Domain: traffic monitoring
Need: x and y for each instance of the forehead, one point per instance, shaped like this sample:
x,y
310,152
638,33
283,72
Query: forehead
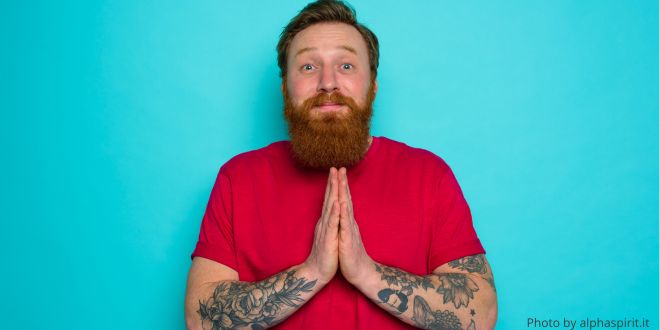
x,y
328,36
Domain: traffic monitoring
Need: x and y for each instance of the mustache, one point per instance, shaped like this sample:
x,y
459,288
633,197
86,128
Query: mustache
x,y
325,98
326,140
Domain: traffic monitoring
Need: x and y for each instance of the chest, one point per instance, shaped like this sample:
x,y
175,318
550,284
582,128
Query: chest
x,y
274,223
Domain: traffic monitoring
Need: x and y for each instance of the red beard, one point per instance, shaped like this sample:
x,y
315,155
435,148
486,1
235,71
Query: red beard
x,y
329,139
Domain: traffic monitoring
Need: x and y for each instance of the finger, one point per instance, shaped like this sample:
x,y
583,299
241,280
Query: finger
x,y
348,226
319,226
327,203
334,189
327,187
344,220
333,222
330,232
347,190
343,185
324,223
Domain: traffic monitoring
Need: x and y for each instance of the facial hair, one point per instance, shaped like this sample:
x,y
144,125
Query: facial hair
x,y
324,140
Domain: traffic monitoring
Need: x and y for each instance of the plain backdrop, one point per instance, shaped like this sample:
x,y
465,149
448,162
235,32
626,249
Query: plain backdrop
x,y
116,116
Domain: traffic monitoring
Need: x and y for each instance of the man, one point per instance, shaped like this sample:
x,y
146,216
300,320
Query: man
x,y
394,245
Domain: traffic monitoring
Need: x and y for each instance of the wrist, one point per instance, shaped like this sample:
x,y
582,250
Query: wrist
x,y
371,281
366,277
313,273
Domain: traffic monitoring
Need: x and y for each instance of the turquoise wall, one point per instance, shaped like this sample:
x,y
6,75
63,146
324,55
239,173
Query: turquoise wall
x,y
116,116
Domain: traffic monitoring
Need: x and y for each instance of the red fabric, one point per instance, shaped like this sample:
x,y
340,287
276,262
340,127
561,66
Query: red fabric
x,y
263,208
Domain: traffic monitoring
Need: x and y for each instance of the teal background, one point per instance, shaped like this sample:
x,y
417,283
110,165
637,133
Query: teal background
x,y
116,116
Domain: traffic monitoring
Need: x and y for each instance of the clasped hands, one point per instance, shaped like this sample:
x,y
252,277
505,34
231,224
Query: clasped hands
x,y
337,241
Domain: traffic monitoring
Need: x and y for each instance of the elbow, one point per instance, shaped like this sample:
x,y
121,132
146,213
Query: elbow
x,y
192,323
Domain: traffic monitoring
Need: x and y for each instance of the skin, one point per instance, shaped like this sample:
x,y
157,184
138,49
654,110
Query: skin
x,y
324,58
327,58
323,259
206,276
354,261
454,291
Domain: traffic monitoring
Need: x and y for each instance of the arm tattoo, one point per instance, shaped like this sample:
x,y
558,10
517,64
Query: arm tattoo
x,y
457,288
475,264
404,284
239,304
425,318
406,281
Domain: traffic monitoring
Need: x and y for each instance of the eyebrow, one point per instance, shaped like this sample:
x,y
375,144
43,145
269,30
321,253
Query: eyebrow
x,y
306,49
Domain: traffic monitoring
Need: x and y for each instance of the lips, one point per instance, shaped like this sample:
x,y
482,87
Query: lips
x,y
329,106
329,103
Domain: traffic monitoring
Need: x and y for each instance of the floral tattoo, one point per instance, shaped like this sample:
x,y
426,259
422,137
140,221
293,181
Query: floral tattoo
x,y
426,318
407,282
475,264
235,305
403,284
457,288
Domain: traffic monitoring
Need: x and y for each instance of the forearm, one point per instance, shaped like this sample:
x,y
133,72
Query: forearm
x,y
453,300
249,305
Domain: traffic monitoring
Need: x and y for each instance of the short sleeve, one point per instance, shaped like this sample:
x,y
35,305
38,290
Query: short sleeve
x,y
453,235
216,238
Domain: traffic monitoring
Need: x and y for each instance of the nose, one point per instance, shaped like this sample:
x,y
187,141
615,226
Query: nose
x,y
327,81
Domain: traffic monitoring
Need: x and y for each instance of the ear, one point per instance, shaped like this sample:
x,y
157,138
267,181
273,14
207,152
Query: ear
x,y
375,86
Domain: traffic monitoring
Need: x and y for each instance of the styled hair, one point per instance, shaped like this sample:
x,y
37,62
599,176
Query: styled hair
x,y
322,11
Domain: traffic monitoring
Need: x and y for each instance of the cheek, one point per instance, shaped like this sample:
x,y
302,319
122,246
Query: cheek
x,y
358,88
299,91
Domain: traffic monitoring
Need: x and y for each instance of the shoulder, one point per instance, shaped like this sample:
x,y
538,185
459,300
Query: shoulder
x,y
257,160
412,156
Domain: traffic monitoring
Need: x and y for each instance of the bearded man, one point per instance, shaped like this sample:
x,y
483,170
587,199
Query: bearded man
x,y
393,247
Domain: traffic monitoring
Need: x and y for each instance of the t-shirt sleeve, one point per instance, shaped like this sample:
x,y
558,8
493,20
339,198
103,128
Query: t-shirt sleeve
x,y
453,235
216,238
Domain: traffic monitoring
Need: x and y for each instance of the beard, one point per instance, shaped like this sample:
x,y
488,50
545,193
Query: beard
x,y
334,139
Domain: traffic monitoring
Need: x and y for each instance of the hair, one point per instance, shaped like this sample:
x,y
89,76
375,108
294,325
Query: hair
x,y
322,11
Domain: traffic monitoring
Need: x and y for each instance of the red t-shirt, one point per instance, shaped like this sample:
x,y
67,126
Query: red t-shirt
x,y
263,208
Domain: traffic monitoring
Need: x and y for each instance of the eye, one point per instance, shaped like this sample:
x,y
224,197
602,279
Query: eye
x,y
347,66
307,67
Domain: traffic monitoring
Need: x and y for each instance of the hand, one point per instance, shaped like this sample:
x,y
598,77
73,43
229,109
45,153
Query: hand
x,y
354,262
323,258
